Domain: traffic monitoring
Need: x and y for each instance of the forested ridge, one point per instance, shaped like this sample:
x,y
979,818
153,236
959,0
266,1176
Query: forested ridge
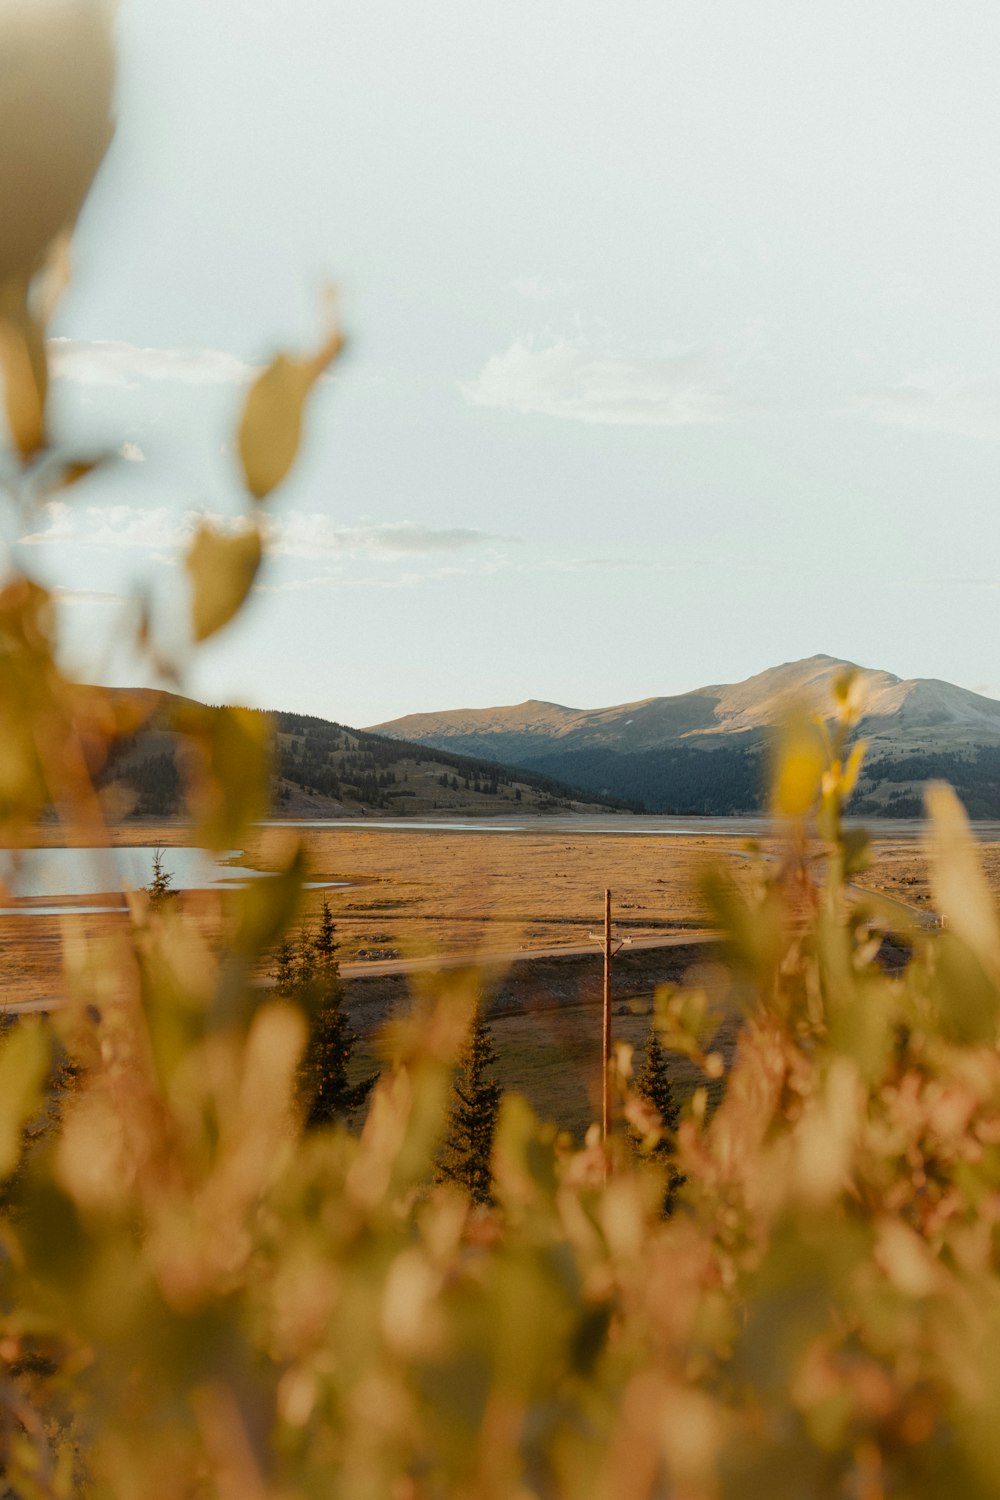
x,y
320,759
733,779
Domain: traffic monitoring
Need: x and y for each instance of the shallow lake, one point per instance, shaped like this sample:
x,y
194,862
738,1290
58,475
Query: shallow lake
x,y
555,824
44,874
664,826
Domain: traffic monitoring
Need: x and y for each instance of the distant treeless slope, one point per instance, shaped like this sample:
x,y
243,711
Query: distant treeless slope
x,y
893,706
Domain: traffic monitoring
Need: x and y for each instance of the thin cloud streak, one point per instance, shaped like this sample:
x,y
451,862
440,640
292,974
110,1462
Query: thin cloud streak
x,y
299,534
567,378
73,597
592,565
489,567
110,362
305,535
939,401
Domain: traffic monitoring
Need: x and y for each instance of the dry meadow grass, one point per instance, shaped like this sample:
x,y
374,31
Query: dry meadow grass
x,y
429,892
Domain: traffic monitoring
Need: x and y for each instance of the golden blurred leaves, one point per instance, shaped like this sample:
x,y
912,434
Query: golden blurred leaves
x,y
55,121
24,369
222,567
227,770
801,761
271,427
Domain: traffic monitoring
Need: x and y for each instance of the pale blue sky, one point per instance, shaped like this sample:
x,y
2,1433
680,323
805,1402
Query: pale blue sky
x,y
675,342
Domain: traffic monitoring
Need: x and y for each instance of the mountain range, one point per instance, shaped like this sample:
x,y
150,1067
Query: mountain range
x,y
705,751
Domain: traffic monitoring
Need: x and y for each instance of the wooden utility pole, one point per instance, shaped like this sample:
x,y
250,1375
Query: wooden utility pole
x,y
606,1043
610,945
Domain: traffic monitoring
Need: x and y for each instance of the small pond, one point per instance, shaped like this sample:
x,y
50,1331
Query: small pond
x,y
43,875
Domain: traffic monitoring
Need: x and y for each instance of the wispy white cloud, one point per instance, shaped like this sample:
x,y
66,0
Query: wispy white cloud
x,y
940,401
304,535
592,565
412,578
73,597
570,378
110,362
299,534
108,527
493,563
131,453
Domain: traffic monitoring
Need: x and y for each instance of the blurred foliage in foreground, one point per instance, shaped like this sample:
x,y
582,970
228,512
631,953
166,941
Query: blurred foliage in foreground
x,y
201,1299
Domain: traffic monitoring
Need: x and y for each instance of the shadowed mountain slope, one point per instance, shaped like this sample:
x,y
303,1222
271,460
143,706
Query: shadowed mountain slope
x,y
702,751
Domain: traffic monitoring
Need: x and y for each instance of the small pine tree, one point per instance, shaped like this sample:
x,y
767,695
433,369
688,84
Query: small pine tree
x,y
325,944
327,1091
466,1157
284,975
306,970
305,960
159,888
653,1084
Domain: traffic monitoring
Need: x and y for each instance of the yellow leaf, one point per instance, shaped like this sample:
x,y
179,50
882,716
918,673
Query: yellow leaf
x,y
852,769
61,474
222,570
271,427
958,885
24,1064
24,369
229,774
35,730
800,766
55,122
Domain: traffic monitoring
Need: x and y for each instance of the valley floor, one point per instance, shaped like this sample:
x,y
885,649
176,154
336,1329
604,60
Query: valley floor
x,y
423,893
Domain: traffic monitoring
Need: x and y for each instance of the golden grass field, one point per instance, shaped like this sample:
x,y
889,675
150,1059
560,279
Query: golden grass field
x,y
428,893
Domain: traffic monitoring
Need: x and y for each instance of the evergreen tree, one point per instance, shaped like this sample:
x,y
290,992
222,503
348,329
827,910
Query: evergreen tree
x,y
325,945
328,1094
159,888
466,1157
305,961
653,1084
284,975
307,971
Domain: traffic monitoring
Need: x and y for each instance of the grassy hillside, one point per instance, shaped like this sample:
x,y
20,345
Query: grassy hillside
x,y
325,769
350,768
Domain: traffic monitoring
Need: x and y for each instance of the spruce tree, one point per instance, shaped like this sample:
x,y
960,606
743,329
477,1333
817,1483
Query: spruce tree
x,y
324,944
305,961
159,888
466,1157
306,970
285,976
653,1084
